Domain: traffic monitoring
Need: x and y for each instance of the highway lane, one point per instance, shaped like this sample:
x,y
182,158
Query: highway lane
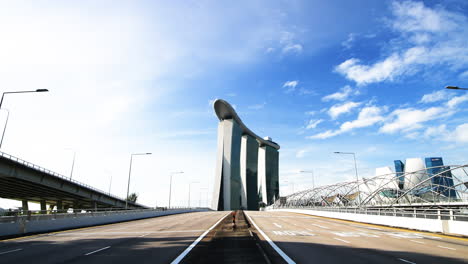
x,y
308,239
154,240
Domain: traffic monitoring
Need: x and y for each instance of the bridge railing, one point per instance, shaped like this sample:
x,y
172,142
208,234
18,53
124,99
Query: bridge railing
x,y
455,214
42,169
77,213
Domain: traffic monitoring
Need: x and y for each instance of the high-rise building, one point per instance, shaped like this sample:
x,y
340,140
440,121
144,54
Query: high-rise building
x,y
247,165
441,177
400,172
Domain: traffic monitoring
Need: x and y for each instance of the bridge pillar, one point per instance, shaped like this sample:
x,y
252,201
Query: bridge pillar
x,y
43,206
59,205
25,205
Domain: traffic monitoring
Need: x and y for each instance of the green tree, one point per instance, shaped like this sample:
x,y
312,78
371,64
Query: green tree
x,y
132,197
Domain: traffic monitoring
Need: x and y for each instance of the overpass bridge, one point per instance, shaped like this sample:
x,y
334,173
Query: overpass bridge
x,y
24,181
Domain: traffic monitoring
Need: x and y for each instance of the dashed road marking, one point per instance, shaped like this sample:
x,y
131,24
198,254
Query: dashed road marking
x,y
277,225
419,242
11,251
324,227
354,234
292,233
95,251
407,261
446,247
342,240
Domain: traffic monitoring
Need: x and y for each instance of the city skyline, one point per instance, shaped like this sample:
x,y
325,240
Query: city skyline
x,y
318,77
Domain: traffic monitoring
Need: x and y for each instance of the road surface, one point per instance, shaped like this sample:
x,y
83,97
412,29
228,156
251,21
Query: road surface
x,y
310,239
154,240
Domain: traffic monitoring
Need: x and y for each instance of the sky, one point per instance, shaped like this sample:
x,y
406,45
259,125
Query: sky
x,y
316,76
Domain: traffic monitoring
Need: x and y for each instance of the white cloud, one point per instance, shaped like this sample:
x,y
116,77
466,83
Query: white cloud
x,y
435,97
426,37
340,95
348,43
289,43
457,135
461,133
296,48
290,86
408,119
457,100
313,123
368,116
338,110
310,112
301,153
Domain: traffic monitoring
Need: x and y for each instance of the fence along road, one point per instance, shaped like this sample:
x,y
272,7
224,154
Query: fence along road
x,y
154,240
306,239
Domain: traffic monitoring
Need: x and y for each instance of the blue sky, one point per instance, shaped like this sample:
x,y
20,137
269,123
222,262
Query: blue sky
x,y
316,76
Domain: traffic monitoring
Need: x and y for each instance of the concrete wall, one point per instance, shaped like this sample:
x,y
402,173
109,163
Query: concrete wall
x,y
432,225
47,223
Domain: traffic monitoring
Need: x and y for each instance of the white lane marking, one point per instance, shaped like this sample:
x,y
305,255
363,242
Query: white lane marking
x,y
272,244
144,235
341,240
446,247
187,250
95,251
292,233
407,261
324,227
419,242
277,225
14,250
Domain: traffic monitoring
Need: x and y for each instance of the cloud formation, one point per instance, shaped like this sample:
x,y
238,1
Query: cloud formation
x,y
426,37
340,109
341,95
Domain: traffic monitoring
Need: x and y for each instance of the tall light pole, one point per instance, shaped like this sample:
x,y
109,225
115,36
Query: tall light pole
x,y
455,88
313,180
190,186
355,167
129,173
73,162
15,92
4,128
170,186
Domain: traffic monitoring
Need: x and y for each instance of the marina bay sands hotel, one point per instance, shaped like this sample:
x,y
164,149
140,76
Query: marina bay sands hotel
x,y
246,166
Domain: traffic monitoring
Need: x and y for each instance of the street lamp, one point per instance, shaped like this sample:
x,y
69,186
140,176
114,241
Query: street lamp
x,y
1,102
170,186
355,167
190,186
455,88
73,162
313,180
4,128
129,173
16,92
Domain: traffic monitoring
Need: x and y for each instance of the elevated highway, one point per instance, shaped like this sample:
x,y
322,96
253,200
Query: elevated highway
x,y
24,181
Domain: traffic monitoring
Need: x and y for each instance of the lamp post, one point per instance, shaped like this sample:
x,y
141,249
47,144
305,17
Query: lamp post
x,y
313,180
129,173
4,128
15,92
190,186
73,162
455,88
355,167
170,186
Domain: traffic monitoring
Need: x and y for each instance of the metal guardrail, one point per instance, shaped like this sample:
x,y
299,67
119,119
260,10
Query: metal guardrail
x,y
42,169
440,214
30,216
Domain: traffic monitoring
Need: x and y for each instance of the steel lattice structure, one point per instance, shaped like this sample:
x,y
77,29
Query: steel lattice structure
x,y
448,187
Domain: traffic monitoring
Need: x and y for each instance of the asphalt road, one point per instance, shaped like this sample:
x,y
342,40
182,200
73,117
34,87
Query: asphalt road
x,y
309,239
154,240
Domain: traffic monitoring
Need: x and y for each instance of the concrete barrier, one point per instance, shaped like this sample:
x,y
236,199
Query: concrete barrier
x,y
449,227
21,225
